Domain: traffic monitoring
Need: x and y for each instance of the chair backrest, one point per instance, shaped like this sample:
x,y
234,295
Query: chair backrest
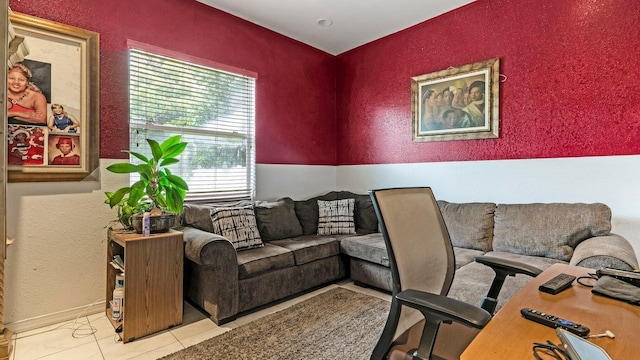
x,y
420,251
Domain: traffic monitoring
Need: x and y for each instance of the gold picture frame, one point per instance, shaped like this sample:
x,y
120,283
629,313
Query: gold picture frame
x,y
459,103
64,63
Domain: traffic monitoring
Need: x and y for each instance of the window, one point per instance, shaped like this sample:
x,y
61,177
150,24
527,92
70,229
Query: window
x,y
213,111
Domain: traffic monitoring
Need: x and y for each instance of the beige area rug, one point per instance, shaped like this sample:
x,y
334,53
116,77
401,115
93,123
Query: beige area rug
x,y
334,325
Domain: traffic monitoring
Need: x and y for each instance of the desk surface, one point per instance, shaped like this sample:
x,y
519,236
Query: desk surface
x,y
510,336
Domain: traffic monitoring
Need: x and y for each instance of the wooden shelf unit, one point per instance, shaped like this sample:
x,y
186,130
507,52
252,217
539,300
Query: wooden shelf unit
x,y
153,281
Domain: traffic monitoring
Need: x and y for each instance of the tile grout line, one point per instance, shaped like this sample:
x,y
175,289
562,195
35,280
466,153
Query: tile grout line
x,y
95,338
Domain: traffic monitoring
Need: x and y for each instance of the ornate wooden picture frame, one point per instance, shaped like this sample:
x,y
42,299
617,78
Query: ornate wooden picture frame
x,y
459,103
61,67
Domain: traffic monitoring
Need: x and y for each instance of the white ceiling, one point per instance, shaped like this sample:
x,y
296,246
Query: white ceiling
x,y
355,22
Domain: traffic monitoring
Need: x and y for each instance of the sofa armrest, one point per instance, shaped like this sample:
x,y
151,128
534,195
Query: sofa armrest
x,y
205,248
612,251
211,274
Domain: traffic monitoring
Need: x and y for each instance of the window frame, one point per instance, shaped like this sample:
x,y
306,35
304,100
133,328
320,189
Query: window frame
x,y
248,137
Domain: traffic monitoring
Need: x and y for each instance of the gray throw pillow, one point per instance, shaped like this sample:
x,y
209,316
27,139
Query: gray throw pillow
x,y
307,214
277,219
198,216
238,225
470,225
365,216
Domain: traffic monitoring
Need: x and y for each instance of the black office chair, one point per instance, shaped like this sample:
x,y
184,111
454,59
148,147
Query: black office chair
x,y
422,265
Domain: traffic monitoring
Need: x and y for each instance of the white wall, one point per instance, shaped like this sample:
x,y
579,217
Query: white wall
x,y
56,267
298,182
612,180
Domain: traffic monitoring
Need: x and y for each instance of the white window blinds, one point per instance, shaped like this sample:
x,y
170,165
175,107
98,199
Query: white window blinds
x,y
213,111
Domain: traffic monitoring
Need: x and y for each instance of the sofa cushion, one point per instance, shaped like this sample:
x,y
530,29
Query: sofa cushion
x,y
465,256
238,225
260,260
368,247
336,217
309,248
470,225
472,282
277,219
551,230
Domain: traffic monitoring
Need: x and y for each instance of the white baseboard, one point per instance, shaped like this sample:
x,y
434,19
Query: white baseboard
x,y
56,318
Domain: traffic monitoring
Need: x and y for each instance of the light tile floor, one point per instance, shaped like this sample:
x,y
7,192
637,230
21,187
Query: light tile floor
x,y
93,338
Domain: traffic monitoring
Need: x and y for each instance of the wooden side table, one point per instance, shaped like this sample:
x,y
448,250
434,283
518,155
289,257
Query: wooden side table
x,y
153,268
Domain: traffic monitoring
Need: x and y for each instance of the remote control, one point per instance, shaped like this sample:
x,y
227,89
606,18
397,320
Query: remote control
x,y
557,284
554,321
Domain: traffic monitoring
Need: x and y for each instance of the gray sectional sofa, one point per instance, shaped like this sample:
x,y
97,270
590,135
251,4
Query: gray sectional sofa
x,y
225,282
293,258
536,234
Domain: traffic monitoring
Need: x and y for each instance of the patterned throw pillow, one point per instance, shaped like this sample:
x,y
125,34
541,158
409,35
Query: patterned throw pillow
x,y
238,225
336,217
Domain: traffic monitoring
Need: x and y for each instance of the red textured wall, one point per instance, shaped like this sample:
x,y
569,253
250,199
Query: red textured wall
x,y
295,109
572,88
572,66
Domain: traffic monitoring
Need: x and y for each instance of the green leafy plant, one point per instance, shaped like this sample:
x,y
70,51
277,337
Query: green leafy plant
x,y
157,188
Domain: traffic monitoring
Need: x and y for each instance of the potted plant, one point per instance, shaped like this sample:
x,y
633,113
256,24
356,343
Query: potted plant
x,y
158,191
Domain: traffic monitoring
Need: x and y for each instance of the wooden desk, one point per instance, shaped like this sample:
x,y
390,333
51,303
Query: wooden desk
x,y
510,336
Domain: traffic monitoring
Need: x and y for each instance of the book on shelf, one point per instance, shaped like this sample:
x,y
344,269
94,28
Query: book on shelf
x,y
118,260
117,266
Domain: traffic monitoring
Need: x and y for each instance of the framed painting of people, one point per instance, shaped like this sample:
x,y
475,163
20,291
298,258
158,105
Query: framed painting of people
x,y
52,107
459,103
